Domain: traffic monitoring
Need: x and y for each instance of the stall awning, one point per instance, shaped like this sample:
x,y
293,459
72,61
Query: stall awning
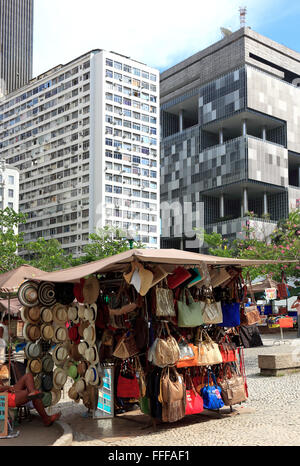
x,y
120,262
14,306
10,281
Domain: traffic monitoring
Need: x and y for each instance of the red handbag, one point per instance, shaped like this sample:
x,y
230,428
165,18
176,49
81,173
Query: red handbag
x,y
228,350
128,385
194,402
179,276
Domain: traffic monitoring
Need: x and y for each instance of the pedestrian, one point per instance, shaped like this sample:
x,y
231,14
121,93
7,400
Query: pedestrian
x,y
24,391
296,305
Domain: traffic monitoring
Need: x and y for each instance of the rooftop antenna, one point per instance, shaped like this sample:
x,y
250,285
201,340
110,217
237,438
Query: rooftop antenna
x,y
243,12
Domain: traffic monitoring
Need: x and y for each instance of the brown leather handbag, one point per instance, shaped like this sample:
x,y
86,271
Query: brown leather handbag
x,y
233,387
250,314
167,351
126,347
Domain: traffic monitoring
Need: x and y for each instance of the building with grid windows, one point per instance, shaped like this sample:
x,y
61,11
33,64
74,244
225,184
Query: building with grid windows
x,y
9,187
230,145
85,138
16,44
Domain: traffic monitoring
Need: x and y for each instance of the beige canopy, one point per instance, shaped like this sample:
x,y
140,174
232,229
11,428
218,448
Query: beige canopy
x,y
119,263
10,281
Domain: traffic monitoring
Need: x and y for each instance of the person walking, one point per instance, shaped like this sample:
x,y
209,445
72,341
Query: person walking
x,y
296,305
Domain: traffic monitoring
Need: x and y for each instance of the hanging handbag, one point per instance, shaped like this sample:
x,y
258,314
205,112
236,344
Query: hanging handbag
x,y
179,275
211,394
228,350
231,315
232,386
166,351
142,328
219,276
126,347
189,313
188,354
212,311
250,314
208,351
127,385
164,302
172,395
194,402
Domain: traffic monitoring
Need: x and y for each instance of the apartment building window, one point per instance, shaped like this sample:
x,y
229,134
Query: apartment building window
x,y
11,179
127,68
10,193
118,65
109,62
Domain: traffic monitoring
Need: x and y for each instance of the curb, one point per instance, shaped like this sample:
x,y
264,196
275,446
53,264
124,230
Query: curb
x,y
66,439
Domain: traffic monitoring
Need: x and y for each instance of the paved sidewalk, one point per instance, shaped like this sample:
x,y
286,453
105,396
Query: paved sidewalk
x,y
271,416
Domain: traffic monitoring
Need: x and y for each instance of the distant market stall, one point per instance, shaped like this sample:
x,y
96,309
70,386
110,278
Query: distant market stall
x,y
160,328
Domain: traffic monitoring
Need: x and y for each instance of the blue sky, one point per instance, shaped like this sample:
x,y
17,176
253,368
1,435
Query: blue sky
x,y
159,33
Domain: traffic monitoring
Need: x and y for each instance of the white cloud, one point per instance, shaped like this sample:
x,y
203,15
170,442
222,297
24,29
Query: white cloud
x,y
157,32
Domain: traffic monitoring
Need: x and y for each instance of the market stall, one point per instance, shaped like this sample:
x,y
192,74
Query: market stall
x,y
164,322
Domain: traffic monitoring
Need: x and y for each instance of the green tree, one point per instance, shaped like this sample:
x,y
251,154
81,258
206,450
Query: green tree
x,y
48,255
106,242
10,240
282,245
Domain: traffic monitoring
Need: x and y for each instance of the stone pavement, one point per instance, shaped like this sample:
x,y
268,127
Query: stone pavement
x,y
270,417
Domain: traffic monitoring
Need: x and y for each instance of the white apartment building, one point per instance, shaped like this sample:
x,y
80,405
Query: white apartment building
x,y
85,138
9,187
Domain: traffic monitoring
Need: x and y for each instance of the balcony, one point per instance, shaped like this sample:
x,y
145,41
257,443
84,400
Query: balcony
x,y
263,227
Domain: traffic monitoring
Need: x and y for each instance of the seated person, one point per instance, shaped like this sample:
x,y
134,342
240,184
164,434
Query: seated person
x,y
24,391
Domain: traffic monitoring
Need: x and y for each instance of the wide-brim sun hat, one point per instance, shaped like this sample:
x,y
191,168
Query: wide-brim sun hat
x,y
46,315
59,377
60,313
91,289
46,293
28,293
60,354
47,331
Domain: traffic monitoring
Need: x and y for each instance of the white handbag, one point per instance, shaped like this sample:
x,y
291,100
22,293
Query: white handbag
x,y
212,312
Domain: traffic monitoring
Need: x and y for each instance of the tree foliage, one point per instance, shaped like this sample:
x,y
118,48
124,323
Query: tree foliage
x,y
10,240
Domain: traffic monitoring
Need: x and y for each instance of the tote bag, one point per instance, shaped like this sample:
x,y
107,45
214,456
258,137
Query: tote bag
x,y
189,311
231,315
211,394
208,351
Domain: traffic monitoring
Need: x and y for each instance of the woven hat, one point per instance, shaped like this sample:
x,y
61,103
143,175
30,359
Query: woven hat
x,y
82,347
91,376
90,312
64,293
24,313
73,314
80,385
35,366
81,310
82,367
47,399
55,396
46,315
46,293
60,334
158,275
47,382
34,314
78,291
60,313
31,332
37,379
33,350
73,394
72,371
59,377
82,325
48,363
91,289
74,352
60,354
47,331
28,293
89,334
91,354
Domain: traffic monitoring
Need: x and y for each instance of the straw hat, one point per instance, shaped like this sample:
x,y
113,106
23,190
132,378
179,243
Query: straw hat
x,y
91,289
35,366
59,377
46,293
146,277
91,355
33,350
82,325
31,332
82,347
34,314
72,371
73,394
28,293
48,363
90,312
60,313
47,399
55,396
73,314
60,354
82,367
74,352
80,385
47,331
91,376
46,315
37,379
47,382
81,310
89,334
24,313
60,334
